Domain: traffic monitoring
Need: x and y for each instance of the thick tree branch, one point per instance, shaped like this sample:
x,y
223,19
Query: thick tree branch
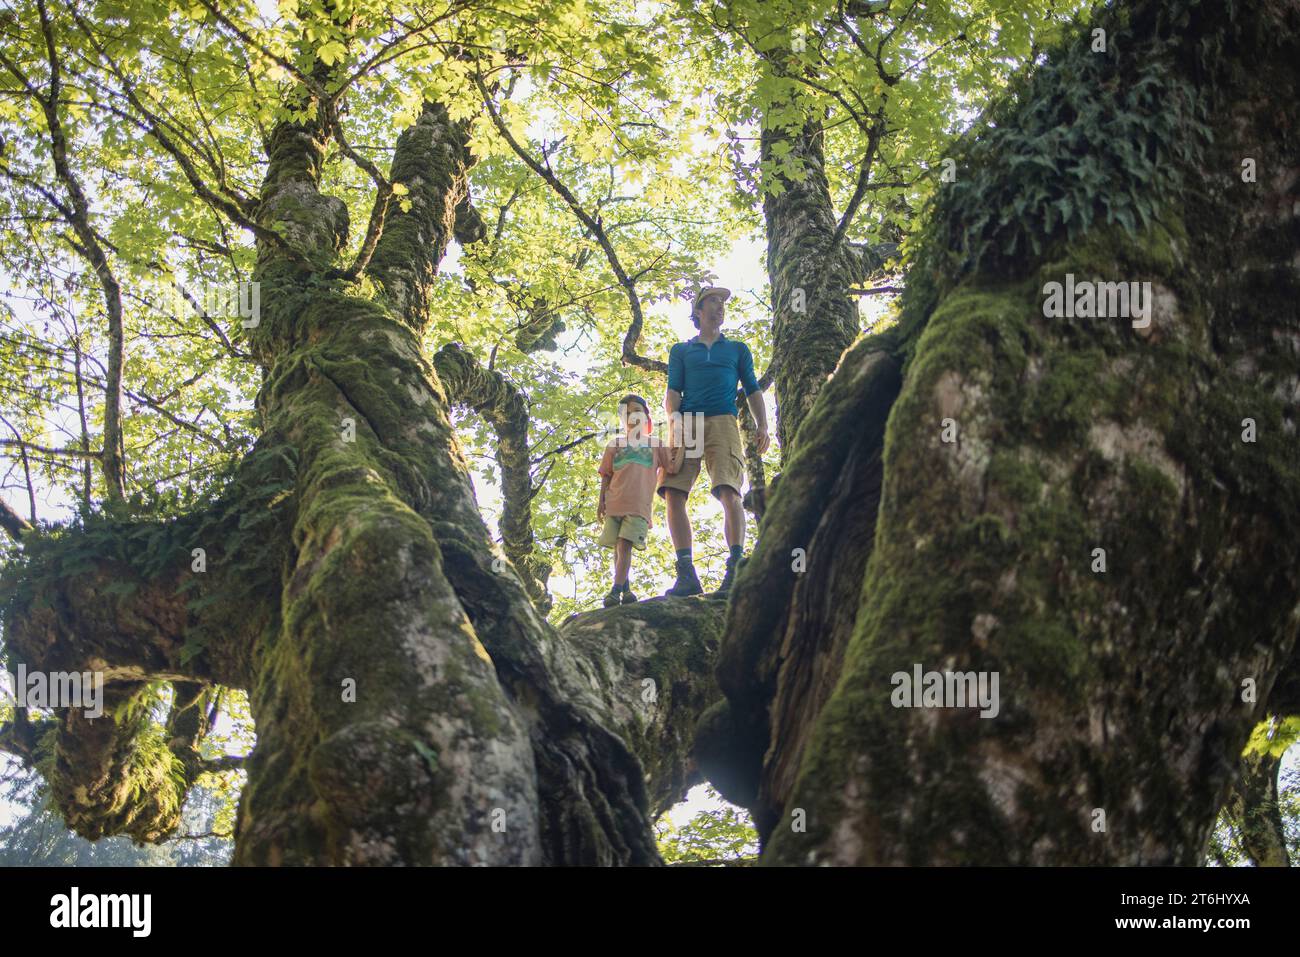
x,y
795,583
431,161
1253,810
180,600
493,396
12,522
647,671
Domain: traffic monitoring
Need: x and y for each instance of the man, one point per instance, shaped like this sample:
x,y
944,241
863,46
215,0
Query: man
x,y
702,377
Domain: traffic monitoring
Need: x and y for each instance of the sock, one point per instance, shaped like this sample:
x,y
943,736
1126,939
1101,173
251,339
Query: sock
x,y
626,586
684,553
736,552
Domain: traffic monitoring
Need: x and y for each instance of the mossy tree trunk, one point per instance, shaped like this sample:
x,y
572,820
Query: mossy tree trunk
x,y
813,318
812,269
1004,448
411,705
490,394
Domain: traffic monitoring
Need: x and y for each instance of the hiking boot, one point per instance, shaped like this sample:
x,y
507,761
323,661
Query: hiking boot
x,y
729,578
688,583
628,597
613,598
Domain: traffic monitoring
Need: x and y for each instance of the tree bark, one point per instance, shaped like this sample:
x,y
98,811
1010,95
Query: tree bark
x,y
647,671
814,319
490,394
1126,695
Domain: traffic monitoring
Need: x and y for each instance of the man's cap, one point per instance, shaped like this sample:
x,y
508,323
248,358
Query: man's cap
x,y
706,292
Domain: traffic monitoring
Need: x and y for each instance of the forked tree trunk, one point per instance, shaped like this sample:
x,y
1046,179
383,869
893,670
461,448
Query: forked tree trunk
x,y
411,705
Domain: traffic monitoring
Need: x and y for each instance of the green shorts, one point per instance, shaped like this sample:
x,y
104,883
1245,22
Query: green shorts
x,y
634,528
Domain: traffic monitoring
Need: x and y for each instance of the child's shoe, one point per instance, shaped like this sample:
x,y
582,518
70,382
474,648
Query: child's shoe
x,y
628,597
612,599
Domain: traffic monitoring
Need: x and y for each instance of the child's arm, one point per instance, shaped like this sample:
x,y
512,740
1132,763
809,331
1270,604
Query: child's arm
x,y
600,507
606,477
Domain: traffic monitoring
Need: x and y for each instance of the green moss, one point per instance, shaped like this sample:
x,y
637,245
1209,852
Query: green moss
x,y
1098,142
1016,477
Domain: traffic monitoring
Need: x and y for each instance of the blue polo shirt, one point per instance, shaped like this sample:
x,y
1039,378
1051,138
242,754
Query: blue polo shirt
x,y
707,376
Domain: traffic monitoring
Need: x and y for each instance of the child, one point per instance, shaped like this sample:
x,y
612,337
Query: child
x,y
629,477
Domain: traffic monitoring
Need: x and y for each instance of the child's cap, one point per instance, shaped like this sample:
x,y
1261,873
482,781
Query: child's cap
x,y
632,398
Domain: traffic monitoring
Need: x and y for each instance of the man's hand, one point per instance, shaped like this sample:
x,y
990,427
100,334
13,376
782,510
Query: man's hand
x,y
759,411
675,459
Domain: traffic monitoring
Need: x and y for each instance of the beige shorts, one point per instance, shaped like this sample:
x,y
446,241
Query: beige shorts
x,y
634,528
720,451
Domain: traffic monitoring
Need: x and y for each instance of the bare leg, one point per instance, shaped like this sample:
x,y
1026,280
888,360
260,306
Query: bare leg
x,y
679,523
733,512
622,561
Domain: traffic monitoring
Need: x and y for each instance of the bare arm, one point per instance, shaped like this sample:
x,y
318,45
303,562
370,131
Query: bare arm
x,y
604,488
758,408
606,479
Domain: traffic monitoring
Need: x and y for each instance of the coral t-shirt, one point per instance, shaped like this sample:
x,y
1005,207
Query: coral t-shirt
x,y
634,471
